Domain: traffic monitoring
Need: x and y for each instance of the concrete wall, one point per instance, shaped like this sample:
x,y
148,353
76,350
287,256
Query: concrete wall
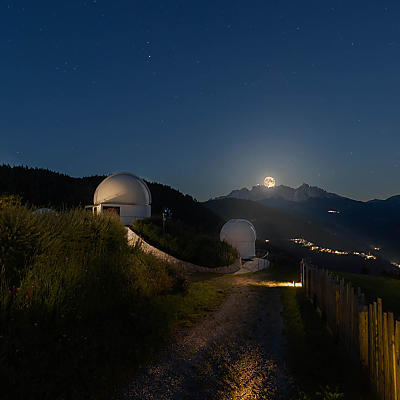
x,y
134,239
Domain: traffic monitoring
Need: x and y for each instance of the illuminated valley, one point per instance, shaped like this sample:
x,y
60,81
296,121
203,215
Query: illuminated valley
x,y
313,247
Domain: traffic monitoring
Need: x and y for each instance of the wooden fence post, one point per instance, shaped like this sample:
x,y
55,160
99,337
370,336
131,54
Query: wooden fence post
x,y
386,370
397,357
380,348
363,337
392,357
371,339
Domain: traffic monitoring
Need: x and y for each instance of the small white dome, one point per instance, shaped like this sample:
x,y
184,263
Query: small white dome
x,y
240,234
122,188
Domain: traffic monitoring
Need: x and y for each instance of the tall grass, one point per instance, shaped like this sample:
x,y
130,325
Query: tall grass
x,y
75,302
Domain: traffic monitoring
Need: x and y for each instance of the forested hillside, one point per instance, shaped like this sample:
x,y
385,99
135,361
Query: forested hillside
x,y
44,188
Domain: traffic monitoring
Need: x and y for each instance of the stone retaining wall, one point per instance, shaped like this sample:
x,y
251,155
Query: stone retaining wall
x,y
134,239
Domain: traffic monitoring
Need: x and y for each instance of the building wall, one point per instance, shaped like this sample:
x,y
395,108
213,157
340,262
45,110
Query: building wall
x,y
134,239
128,213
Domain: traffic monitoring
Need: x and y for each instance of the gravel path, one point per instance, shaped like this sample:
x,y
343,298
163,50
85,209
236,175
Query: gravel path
x,y
235,353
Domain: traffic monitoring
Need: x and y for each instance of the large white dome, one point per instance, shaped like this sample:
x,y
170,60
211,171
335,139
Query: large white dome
x,y
241,234
239,230
122,188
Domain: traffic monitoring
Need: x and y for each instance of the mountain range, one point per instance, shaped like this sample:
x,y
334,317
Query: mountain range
x,y
261,192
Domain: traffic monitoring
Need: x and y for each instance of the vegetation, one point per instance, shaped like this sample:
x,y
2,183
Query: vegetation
x,y
205,293
185,243
285,267
79,308
184,208
10,201
385,287
44,188
320,367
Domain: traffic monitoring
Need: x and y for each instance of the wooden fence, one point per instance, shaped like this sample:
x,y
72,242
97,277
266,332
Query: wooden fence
x,y
368,333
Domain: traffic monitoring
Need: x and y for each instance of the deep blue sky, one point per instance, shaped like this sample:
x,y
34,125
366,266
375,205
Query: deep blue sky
x,y
205,96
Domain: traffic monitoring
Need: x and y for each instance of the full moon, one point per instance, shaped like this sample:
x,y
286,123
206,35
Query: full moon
x,y
269,182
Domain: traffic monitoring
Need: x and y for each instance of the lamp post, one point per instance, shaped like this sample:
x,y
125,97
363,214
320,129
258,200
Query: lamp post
x,y
166,214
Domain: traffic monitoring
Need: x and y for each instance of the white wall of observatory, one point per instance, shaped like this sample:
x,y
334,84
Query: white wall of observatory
x,y
127,213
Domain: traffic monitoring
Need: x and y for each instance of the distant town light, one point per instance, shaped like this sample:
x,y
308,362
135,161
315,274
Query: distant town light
x,y
334,211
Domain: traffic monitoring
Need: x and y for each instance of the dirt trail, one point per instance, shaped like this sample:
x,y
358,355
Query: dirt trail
x,y
235,353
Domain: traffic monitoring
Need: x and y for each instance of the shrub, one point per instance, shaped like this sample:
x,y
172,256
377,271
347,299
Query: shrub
x,y
185,243
76,302
10,201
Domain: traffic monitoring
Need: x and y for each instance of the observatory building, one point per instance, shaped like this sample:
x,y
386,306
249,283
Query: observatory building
x,y
124,194
241,235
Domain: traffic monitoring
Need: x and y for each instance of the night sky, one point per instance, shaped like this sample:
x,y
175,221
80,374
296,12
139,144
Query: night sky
x,y
205,96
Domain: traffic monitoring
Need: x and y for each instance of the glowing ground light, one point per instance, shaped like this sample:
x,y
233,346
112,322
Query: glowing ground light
x,y
269,182
293,284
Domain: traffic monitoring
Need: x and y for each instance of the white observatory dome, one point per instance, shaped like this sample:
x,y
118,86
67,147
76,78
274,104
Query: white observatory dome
x,y
124,194
122,188
240,234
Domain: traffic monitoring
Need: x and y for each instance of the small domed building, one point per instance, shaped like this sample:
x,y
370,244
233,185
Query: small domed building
x,y
241,235
124,194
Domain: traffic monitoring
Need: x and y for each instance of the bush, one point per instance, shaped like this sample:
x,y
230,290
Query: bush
x,y
186,244
76,302
10,201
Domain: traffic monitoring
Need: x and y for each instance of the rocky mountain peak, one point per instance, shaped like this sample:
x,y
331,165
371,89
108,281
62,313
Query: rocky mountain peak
x,y
260,192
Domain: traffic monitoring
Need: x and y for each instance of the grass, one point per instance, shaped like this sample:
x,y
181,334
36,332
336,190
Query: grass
x,y
282,273
204,295
79,309
73,297
388,289
319,365
285,267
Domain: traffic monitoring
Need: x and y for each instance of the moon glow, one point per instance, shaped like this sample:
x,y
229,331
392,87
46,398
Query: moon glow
x,y
269,182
